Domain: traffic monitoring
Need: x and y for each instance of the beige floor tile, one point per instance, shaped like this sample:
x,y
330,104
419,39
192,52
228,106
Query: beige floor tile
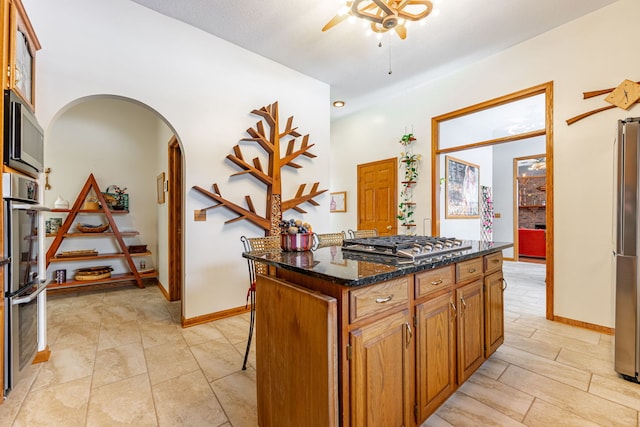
x,y
119,312
187,401
63,405
115,334
549,368
545,349
125,403
79,332
217,359
118,363
493,367
617,390
198,334
462,410
435,421
569,398
235,328
11,405
160,333
66,364
497,395
515,328
543,414
561,329
153,311
582,360
168,361
599,351
237,394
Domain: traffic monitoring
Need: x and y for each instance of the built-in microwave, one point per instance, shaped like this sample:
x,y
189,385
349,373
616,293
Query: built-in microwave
x,y
23,136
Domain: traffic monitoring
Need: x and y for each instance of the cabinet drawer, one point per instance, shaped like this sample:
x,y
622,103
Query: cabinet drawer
x,y
434,280
377,298
493,262
470,269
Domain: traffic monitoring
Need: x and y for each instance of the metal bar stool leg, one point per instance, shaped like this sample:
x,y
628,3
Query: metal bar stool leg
x,y
251,323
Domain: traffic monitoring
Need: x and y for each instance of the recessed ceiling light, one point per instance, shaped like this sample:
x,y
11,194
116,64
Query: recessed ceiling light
x,y
338,104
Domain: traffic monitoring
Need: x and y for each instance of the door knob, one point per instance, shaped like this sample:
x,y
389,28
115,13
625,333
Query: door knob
x,y
389,227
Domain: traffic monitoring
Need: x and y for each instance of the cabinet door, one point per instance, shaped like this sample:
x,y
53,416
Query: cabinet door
x,y
435,353
470,304
494,312
23,45
380,382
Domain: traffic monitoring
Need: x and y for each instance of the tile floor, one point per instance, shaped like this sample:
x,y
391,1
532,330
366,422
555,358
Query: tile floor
x,y
119,357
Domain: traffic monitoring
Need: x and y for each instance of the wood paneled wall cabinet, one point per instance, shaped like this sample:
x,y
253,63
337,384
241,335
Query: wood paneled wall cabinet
x,y
20,45
404,337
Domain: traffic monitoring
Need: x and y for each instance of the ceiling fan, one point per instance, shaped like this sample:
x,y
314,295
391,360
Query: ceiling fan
x,y
384,14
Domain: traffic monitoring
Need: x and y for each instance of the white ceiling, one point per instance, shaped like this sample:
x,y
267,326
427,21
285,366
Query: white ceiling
x,y
289,32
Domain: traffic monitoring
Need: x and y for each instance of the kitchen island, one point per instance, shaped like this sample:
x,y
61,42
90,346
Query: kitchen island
x,y
349,338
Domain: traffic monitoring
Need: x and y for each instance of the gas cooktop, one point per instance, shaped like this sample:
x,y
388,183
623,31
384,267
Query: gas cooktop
x,y
413,247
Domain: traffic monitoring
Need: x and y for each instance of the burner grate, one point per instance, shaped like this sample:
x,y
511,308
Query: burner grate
x,y
405,246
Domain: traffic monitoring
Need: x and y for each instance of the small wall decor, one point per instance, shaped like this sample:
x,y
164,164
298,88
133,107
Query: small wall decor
x,y
268,136
338,202
160,188
462,190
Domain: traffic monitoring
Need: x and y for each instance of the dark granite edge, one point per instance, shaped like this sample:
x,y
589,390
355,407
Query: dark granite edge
x,y
405,269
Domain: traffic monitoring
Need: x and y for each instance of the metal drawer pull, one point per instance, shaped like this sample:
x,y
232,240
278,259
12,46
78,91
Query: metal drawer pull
x,y
453,306
472,270
464,304
495,261
436,283
409,334
504,287
383,300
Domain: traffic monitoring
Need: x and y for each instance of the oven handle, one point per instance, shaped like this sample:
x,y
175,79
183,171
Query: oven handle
x,y
32,296
28,207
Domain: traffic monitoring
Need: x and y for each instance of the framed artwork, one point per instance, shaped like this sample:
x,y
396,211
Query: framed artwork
x,y
160,188
462,189
338,202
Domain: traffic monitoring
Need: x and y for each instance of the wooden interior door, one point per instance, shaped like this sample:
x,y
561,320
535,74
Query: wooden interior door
x,y
377,196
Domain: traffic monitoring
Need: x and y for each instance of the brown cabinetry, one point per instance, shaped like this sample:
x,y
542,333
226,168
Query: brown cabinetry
x,y
470,328
435,353
20,48
405,344
380,382
494,311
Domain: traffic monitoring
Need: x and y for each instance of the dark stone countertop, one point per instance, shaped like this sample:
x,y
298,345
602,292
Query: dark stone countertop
x,y
350,268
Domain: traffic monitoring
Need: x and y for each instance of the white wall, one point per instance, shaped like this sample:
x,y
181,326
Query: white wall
x,y
204,88
580,56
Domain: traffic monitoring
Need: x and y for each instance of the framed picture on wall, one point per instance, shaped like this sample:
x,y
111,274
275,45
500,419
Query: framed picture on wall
x,y
462,189
338,202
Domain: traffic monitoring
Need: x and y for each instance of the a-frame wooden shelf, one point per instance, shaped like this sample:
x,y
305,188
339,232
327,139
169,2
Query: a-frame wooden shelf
x,y
64,232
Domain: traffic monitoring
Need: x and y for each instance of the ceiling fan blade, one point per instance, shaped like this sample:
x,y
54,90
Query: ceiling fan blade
x,y
401,30
335,21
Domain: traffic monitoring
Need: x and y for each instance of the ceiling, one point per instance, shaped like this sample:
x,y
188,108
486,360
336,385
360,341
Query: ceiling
x,y
352,63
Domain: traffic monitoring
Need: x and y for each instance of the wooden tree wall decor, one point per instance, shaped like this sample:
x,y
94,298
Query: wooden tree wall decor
x,y
269,139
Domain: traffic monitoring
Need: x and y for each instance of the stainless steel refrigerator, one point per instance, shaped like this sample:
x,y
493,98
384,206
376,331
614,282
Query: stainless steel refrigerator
x,y
627,248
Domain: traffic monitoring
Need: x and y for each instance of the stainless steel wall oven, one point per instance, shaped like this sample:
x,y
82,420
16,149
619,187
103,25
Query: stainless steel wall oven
x,y
22,282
